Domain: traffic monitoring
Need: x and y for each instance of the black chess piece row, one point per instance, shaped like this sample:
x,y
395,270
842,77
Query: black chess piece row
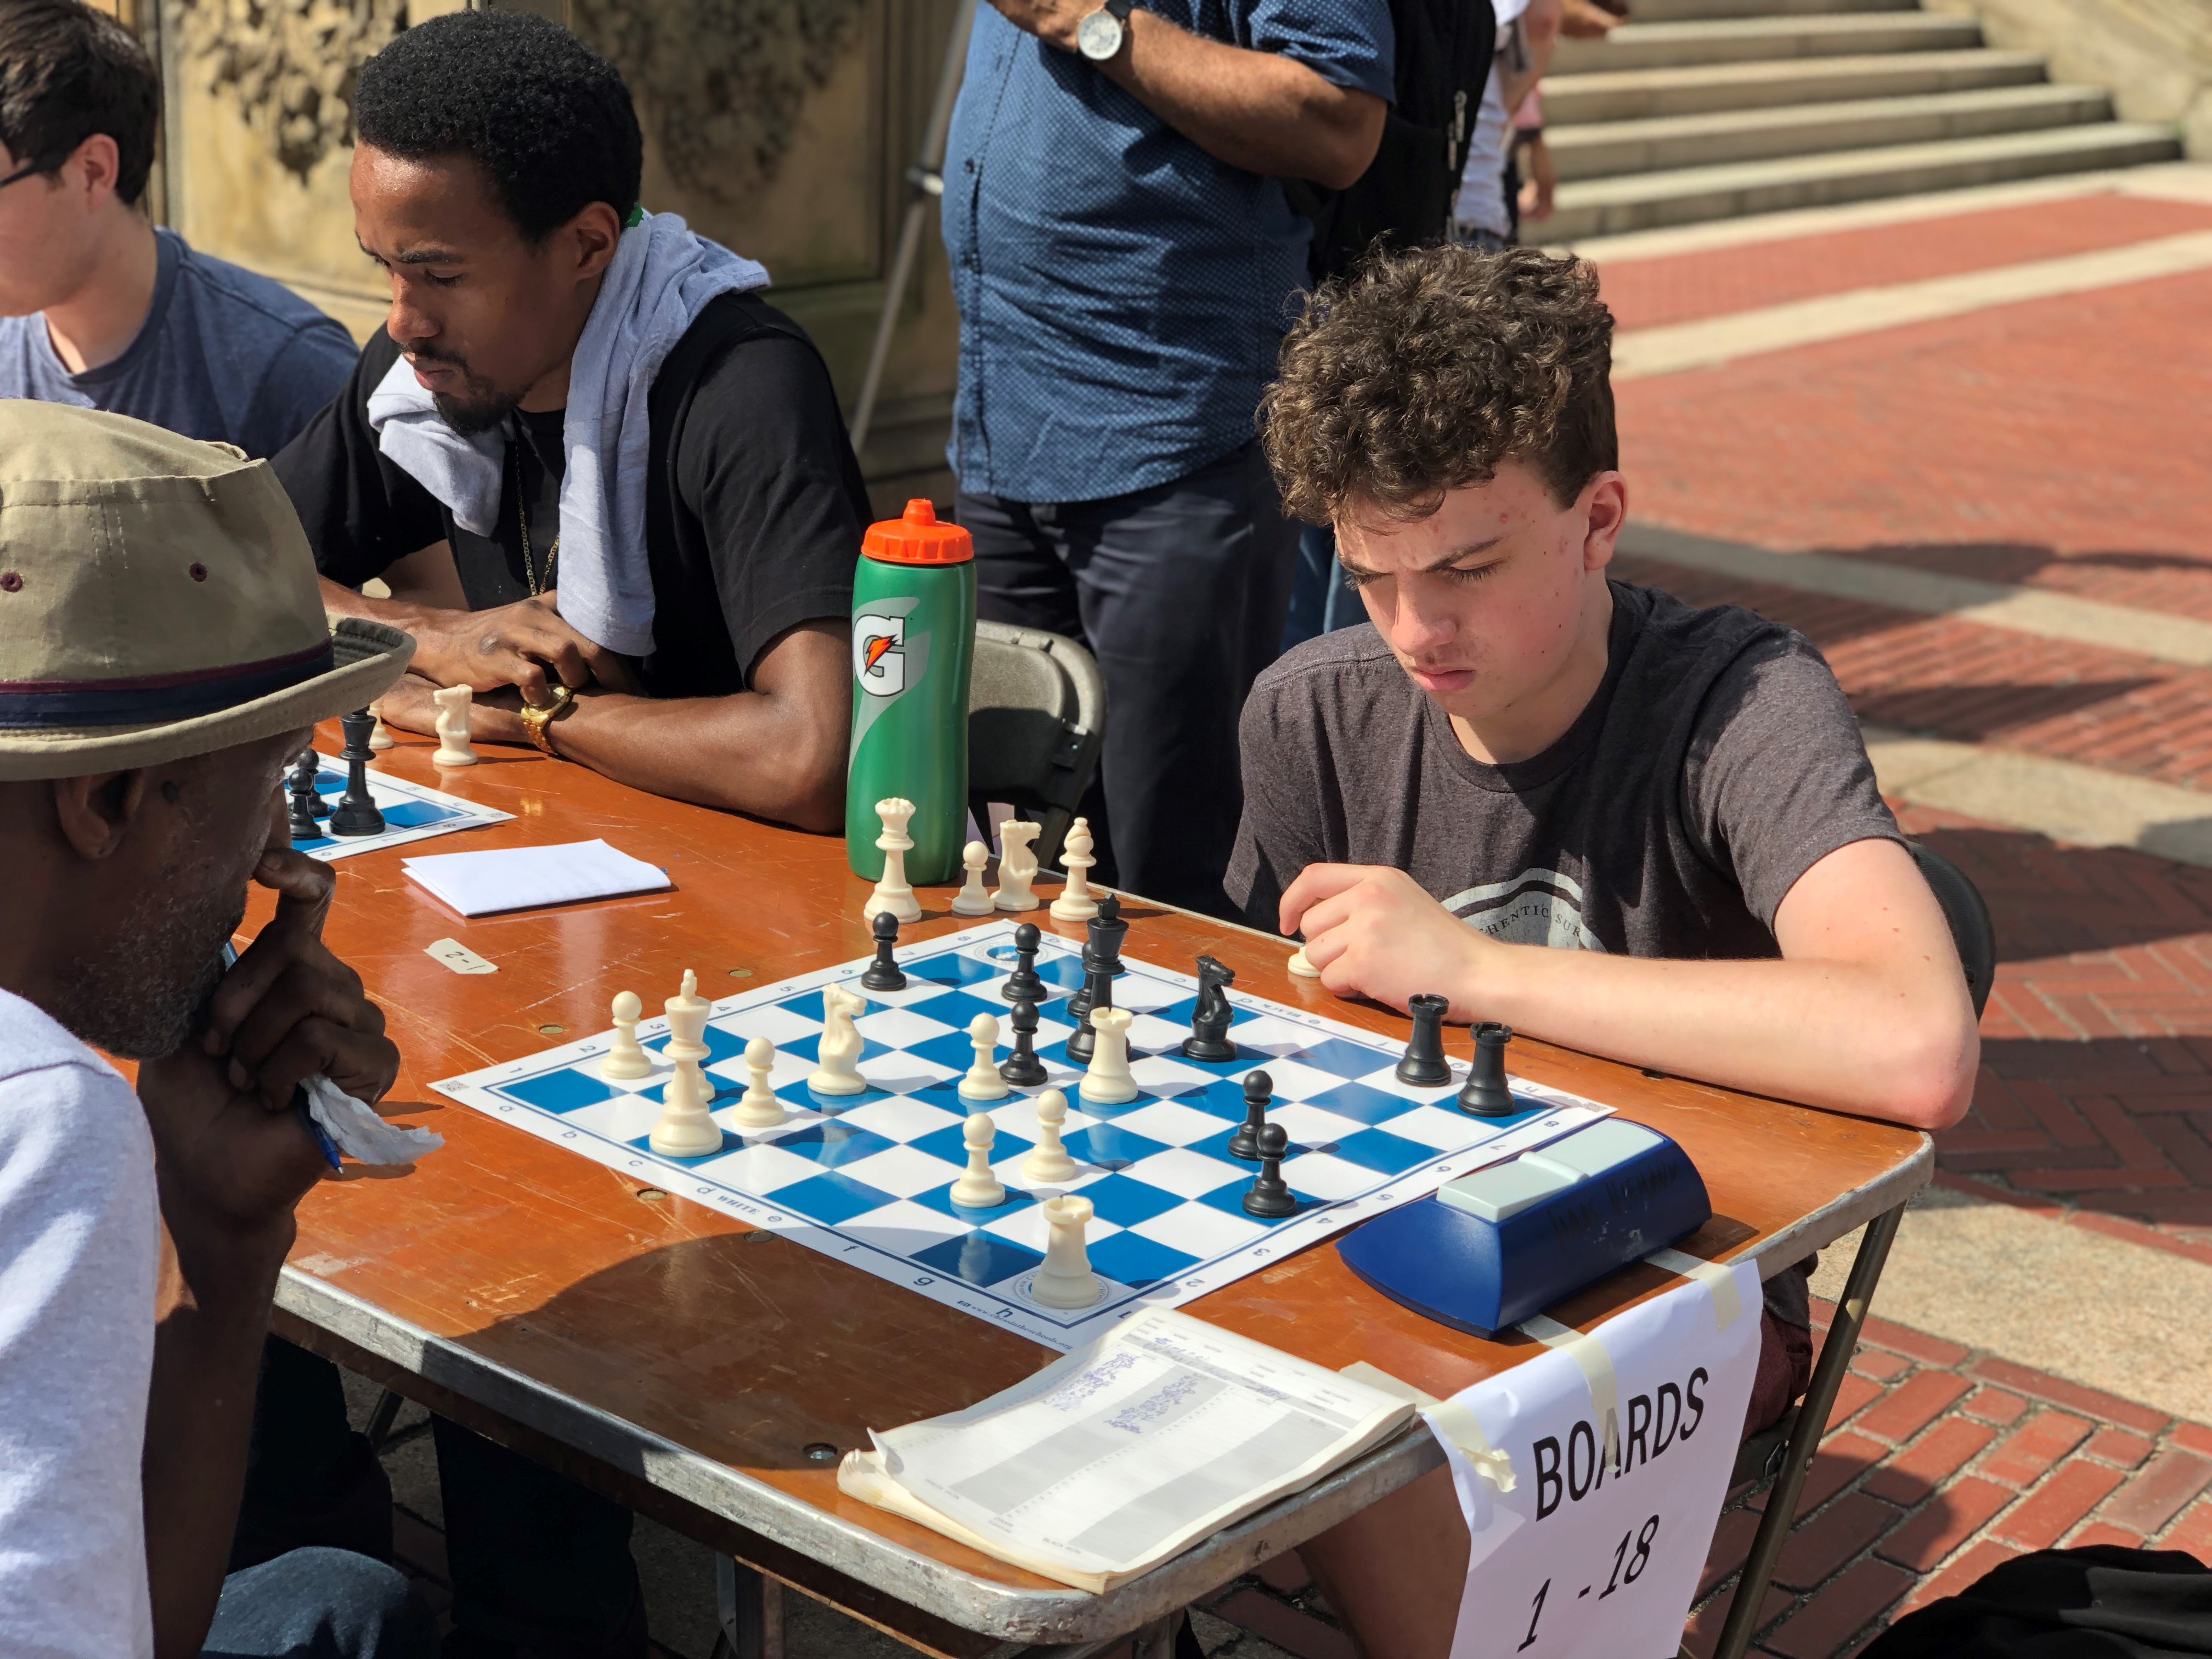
x,y
1256,1141
1485,1092
355,814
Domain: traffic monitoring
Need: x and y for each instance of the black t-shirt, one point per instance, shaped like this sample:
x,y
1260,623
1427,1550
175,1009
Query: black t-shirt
x,y
1716,763
754,509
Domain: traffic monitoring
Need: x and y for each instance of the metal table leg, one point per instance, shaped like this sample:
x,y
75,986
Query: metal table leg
x,y
1805,1438
751,1607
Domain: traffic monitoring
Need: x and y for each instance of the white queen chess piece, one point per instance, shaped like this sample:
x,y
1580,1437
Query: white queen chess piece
x,y
1048,1162
972,900
1017,864
1066,1279
837,1069
628,1057
453,726
1108,1080
758,1107
977,1188
1075,902
894,893
983,1081
686,1128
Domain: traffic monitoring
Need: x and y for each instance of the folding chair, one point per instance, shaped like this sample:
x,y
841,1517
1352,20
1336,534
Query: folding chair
x,y
1036,720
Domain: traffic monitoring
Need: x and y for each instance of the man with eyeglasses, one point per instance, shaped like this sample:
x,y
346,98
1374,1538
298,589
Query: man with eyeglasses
x,y
101,309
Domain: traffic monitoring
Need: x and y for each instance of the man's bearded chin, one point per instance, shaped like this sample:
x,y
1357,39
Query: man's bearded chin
x,y
479,410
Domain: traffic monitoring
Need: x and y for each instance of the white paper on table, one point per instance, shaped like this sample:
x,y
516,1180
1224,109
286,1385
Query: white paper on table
x,y
524,877
1127,1450
1580,1559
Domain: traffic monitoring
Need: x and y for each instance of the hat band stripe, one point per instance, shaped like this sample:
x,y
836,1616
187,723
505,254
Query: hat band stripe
x,y
31,705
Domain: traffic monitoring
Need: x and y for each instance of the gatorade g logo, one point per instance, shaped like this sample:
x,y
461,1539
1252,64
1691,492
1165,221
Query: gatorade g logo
x,y
879,653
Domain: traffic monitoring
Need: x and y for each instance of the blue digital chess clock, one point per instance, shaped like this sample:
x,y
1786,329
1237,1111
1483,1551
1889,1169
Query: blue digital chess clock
x,y
1501,1243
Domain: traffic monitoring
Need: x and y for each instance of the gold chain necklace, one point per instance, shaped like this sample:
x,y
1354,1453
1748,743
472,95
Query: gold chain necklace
x,y
522,522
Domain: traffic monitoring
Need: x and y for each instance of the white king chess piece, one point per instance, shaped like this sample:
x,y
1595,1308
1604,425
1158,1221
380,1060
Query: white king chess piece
x,y
971,900
1075,902
894,893
685,1129
1017,864
453,725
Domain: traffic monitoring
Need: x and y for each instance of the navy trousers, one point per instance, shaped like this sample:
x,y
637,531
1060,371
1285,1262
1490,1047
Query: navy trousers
x,y
1179,592
319,1604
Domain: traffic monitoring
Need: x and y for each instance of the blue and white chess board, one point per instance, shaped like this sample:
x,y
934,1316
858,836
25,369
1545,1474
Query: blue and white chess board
x,y
866,1177
412,811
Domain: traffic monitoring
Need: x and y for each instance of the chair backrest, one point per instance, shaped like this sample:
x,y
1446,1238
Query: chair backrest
x,y
1971,928
1036,718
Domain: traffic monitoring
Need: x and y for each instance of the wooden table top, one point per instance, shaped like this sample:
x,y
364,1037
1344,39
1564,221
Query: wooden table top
x,y
652,1313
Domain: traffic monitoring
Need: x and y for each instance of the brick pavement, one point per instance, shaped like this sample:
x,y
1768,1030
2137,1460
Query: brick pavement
x,y
1941,1461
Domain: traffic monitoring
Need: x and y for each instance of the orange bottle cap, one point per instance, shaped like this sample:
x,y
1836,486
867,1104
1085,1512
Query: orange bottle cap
x,y
916,537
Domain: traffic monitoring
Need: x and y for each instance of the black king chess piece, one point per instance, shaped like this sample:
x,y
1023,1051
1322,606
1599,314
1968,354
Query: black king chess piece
x,y
1103,950
1424,1065
1024,981
1485,1093
306,805
884,973
1270,1197
1023,1067
1259,1092
355,813
1209,1021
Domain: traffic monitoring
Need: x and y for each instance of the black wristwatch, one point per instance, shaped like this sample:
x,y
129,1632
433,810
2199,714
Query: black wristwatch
x,y
1100,36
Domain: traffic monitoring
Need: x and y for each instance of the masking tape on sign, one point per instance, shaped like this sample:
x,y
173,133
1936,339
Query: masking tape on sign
x,y
1715,1276
1589,1353
1450,1420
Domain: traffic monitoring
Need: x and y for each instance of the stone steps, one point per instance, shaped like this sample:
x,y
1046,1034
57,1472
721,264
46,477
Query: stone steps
x,y
1609,206
1636,45
1699,89
1671,143
1696,11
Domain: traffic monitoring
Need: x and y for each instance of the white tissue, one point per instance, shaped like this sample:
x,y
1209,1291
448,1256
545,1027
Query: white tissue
x,y
359,1133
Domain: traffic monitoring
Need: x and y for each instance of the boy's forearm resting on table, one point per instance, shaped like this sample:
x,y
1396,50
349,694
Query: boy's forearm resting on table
x,y
1867,1012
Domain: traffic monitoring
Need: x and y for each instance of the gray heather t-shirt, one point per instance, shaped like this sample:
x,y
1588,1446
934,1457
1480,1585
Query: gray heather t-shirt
x,y
1717,763
223,353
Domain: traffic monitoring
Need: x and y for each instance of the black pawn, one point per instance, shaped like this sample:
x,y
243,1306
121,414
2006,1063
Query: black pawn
x,y
1259,1090
1271,1197
1485,1093
884,973
355,813
1022,1066
1424,1065
1024,982
1210,1017
306,805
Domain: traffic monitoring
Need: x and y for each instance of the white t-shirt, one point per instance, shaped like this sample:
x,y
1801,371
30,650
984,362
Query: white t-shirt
x,y
79,1244
1481,200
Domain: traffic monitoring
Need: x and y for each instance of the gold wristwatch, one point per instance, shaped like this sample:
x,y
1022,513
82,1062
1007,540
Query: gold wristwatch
x,y
536,716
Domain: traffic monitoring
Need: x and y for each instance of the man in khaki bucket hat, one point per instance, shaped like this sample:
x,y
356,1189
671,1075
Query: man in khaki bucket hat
x,y
162,654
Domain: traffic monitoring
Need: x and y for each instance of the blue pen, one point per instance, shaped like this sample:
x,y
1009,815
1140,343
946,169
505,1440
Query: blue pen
x,y
327,1147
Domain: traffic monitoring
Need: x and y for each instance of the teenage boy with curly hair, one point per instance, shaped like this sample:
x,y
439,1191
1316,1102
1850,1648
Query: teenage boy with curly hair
x,y
1578,806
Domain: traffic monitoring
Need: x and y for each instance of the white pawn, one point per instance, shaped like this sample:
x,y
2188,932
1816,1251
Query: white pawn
x,y
1017,864
628,1057
983,1081
1075,902
894,892
978,1188
1048,1161
1299,967
1066,1279
758,1108
1108,1080
379,735
837,1068
453,726
685,1129
971,900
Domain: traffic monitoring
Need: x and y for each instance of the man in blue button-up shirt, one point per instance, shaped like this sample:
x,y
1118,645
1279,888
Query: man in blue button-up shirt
x,y
1126,261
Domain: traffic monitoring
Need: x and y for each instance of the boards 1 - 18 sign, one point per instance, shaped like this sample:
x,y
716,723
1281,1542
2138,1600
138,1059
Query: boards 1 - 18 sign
x,y
1592,1487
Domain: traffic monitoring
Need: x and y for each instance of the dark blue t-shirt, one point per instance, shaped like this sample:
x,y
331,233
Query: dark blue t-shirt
x,y
1123,294
223,353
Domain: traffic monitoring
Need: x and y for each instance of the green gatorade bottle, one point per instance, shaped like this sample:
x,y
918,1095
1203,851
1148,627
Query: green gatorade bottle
x,y
913,641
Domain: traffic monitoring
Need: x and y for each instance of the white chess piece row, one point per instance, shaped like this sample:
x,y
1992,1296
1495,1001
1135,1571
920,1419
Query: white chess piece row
x,y
1018,869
